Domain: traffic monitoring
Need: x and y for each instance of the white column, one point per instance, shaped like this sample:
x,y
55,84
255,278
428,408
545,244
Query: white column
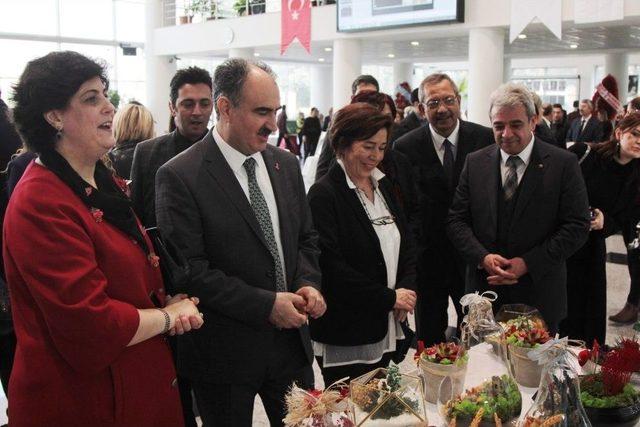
x,y
321,87
486,67
402,72
347,65
241,52
617,64
160,70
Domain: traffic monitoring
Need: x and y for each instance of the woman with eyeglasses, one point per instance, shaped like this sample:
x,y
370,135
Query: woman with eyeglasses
x,y
367,259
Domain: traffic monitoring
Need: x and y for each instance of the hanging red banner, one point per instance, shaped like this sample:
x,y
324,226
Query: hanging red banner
x,y
296,22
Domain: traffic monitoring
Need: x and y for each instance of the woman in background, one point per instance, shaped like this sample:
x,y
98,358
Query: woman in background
x,y
132,124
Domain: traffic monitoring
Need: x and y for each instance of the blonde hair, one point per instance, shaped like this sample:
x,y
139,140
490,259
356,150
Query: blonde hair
x,y
133,122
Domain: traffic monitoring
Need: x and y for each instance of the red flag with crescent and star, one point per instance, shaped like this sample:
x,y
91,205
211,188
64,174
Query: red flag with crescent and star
x,y
296,22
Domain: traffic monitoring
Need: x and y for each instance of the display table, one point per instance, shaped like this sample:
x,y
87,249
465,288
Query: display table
x,y
482,361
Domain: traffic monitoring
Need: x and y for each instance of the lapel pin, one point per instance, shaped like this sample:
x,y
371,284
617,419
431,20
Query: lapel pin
x,y
277,166
540,165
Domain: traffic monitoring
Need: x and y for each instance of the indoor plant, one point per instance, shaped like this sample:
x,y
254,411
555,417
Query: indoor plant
x,y
606,394
440,361
524,334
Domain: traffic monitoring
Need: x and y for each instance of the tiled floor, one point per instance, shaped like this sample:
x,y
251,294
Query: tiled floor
x,y
618,283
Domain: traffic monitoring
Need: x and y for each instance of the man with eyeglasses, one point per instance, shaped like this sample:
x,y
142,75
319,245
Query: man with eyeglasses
x,y
437,153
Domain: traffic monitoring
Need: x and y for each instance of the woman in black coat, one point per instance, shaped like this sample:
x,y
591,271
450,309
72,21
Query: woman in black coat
x,y
610,172
367,259
132,124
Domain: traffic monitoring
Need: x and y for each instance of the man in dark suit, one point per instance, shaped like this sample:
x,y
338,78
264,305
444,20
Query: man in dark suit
x,y
412,121
586,128
559,125
237,209
520,211
191,106
437,153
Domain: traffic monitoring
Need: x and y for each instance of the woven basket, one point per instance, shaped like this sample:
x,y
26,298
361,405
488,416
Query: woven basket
x,y
434,373
527,372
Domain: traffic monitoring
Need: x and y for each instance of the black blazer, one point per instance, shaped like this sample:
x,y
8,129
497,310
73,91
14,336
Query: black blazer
x,y
147,158
203,210
354,276
550,222
434,196
409,123
543,132
122,157
592,131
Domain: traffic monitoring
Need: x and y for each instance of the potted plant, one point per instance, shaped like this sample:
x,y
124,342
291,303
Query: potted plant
x,y
607,396
440,361
240,6
188,11
524,334
496,401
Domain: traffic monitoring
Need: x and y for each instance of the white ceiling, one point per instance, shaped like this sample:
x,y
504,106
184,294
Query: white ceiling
x,y
539,40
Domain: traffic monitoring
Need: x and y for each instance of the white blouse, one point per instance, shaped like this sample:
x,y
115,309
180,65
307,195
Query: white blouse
x,y
389,238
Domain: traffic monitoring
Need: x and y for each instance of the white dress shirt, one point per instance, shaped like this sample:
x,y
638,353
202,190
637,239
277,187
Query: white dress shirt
x,y
236,159
438,141
525,156
389,238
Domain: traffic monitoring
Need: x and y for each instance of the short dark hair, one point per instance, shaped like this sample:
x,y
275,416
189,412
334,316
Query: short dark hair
x,y
635,103
364,78
546,109
377,99
192,76
48,83
230,76
576,103
356,122
414,96
558,106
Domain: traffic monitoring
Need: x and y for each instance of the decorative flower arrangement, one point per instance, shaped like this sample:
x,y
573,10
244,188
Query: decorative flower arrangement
x,y
389,397
526,332
610,388
316,408
444,353
499,400
440,361
543,422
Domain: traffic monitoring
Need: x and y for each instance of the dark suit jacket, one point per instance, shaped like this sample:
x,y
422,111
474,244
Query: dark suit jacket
x,y
543,132
147,158
354,276
434,197
409,123
559,131
203,210
122,157
550,222
592,131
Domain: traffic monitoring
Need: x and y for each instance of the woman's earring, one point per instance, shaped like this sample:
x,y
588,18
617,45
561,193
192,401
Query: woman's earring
x,y
59,133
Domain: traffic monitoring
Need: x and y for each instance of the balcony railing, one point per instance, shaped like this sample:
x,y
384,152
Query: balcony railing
x,y
179,12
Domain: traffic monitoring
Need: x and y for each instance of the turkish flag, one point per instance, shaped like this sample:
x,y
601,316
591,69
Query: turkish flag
x,y
296,22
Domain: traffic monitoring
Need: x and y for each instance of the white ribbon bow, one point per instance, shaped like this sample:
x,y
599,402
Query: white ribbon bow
x,y
549,351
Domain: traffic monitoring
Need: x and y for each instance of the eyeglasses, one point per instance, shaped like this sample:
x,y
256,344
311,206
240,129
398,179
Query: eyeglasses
x,y
433,104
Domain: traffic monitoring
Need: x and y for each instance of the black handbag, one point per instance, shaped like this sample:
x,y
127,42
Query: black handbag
x,y
176,271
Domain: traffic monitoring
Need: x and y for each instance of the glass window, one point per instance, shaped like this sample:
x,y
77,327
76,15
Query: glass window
x,y
29,17
16,54
87,19
95,52
130,20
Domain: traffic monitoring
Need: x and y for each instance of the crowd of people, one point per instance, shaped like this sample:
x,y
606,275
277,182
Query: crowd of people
x,y
403,216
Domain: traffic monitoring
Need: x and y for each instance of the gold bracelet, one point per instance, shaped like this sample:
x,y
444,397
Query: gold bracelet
x,y
167,321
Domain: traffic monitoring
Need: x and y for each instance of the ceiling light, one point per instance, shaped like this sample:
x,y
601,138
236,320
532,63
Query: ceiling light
x,y
328,49
256,54
321,59
415,43
391,55
573,46
522,36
